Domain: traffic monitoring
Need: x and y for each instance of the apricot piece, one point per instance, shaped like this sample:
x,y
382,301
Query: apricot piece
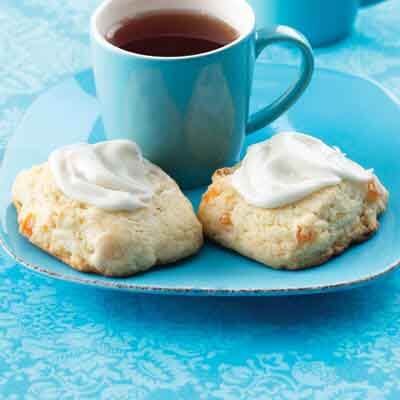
x,y
27,225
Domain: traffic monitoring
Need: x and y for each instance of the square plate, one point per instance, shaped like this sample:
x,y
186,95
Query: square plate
x,y
353,113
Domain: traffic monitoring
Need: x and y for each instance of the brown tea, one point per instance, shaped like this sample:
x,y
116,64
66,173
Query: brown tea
x,y
172,34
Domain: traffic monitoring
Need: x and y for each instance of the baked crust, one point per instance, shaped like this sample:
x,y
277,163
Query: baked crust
x,y
300,235
103,242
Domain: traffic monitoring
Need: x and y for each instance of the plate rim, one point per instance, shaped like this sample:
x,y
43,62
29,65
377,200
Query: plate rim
x,y
149,289
90,280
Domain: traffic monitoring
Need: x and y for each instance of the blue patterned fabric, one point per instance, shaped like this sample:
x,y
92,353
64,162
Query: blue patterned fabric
x,y
60,341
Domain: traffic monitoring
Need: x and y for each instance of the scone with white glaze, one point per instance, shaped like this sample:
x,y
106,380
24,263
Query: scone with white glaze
x,y
292,203
104,209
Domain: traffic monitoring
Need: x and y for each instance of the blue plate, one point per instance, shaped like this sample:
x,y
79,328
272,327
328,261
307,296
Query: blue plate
x,y
354,113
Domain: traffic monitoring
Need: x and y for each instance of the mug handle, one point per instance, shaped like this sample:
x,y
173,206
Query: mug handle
x,y
279,34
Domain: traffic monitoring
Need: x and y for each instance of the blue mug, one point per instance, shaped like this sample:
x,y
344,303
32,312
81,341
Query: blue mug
x,y
188,114
321,21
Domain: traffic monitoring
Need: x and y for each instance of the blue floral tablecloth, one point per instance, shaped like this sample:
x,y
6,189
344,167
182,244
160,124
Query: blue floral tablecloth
x,y
60,341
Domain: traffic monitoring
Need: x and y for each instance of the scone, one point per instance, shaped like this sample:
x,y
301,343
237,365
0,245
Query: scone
x,y
107,242
304,233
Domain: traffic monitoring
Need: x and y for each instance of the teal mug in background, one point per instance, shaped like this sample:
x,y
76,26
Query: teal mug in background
x,y
188,114
321,21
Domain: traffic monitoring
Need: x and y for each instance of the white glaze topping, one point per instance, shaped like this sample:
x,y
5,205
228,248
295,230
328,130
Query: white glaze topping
x,y
109,175
290,166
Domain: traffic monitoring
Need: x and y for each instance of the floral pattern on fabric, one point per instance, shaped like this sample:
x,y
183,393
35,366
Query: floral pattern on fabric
x,y
61,341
